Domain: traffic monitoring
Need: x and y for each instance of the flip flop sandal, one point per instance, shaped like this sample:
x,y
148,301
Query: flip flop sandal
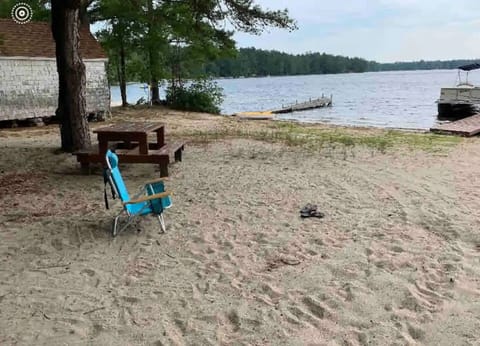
x,y
305,214
308,208
313,213
318,214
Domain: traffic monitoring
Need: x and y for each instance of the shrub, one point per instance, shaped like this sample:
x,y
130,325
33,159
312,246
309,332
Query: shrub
x,y
199,96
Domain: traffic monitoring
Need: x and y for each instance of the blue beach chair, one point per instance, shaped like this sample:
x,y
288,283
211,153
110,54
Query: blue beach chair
x,y
152,198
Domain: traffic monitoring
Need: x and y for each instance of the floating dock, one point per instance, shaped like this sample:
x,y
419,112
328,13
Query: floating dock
x,y
294,107
466,127
303,106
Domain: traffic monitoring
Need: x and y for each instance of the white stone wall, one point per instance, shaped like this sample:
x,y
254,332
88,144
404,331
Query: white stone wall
x,y
98,90
29,87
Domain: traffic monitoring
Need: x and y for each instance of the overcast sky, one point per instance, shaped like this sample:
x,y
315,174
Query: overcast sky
x,y
381,30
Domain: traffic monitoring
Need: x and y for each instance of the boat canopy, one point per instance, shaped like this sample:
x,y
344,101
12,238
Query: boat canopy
x,y
469,67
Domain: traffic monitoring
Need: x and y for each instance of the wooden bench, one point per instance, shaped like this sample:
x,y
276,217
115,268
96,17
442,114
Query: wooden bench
x,y
169,153
172,149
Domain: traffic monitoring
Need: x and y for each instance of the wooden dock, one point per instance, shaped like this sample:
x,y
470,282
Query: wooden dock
x,y
294,107
302,106
466,127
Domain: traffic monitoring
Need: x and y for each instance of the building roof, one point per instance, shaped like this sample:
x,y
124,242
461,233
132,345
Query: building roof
x,y
470,67
35,39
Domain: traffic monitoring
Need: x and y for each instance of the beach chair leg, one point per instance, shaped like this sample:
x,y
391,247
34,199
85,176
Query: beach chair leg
x,y
162,222
115,225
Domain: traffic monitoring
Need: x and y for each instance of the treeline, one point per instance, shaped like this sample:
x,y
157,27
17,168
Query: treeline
x,y
252,62
420,65
256,62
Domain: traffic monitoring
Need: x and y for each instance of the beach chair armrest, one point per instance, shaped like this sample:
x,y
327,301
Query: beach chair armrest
x,y
143,188
158,180
148,198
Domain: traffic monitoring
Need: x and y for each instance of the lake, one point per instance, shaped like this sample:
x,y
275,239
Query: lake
x,y
400,99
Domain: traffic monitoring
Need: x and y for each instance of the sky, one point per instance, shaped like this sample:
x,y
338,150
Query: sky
x,y
380,30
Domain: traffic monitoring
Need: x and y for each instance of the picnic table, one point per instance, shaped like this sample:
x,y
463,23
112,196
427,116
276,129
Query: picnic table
x,y
130,132
130,141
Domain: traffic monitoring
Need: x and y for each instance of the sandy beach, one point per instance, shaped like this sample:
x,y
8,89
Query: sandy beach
x,y
395,260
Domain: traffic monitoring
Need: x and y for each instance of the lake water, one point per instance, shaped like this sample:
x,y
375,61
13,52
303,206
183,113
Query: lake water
x,y
403,99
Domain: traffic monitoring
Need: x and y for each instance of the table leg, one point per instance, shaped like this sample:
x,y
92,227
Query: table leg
x,y
102,146
163,170
85,167
143,144
160,137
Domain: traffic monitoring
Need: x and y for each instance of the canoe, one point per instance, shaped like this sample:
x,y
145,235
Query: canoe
x,y
255,115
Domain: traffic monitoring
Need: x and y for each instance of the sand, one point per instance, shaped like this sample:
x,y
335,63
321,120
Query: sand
x,y
396,260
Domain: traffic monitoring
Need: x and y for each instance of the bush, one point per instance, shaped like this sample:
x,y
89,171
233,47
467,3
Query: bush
x,y
200,96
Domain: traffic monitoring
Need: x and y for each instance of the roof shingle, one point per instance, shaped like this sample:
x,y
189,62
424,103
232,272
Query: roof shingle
x,y
35,39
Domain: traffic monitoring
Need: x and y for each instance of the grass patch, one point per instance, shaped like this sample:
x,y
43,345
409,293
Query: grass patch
x,y
316,138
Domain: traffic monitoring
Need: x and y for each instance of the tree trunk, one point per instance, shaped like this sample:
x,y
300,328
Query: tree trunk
x,y
71,109
123,76
83,14
153,77
155,92
153,58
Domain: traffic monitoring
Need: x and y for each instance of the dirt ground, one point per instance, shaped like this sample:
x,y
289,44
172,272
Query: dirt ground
x,y
395,260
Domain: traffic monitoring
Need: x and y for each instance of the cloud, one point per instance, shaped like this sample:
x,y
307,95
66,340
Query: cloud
x,y
382,30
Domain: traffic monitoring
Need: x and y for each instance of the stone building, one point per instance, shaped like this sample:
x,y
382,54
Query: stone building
x,y
28,72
